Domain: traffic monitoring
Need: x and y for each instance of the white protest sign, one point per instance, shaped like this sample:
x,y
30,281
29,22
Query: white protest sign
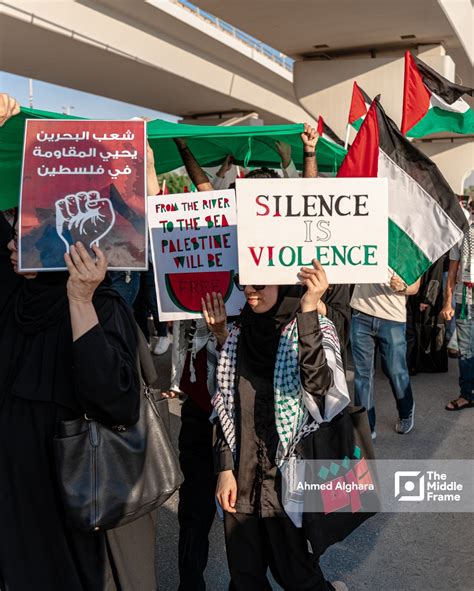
x,y
194,249
284,223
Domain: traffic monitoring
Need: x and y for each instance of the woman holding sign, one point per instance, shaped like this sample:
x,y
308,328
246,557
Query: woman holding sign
x,y
68,347
278,343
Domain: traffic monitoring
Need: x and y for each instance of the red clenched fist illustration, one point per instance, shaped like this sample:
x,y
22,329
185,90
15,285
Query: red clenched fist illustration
x,y
85,216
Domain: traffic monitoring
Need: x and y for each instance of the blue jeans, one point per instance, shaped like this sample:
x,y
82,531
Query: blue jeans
x,y
129,290
367,332
465,333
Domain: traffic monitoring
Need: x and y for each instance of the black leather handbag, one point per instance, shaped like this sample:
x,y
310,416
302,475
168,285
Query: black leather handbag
x,y
110,476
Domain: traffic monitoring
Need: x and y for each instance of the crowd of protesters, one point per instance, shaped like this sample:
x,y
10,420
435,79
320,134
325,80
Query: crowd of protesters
x,y
68,346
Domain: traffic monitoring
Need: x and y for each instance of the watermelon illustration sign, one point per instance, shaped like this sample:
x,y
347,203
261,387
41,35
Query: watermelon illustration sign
x,y
194,249
285,223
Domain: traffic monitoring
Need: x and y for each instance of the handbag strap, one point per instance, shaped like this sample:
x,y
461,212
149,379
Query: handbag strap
x,y
145,360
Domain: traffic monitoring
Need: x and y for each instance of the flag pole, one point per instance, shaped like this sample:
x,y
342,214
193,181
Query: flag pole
x,y
348,131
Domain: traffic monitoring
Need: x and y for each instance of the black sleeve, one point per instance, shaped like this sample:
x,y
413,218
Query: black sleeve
x,y
337,301
223,458
106,378
316,376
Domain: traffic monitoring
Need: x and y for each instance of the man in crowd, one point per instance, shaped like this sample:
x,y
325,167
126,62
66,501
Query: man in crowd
x,y
379,320
460,283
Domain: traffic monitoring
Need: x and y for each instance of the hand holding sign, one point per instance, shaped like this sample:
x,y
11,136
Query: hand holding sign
x,y
316,284
85,275
84,216
214,312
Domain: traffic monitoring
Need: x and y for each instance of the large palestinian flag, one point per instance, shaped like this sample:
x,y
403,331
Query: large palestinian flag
x,y
431,103
327,133
425,219
360,104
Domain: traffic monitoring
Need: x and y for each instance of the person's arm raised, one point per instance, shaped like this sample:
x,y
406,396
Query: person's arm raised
x,y
8,107
152,185
106,380
309,138
215,315
194,170
85,275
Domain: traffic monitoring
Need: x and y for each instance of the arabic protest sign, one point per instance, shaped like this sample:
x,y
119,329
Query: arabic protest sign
x,y
284,223
83,181
194,248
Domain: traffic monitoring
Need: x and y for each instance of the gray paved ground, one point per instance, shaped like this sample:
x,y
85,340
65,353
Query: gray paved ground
x,y
395,552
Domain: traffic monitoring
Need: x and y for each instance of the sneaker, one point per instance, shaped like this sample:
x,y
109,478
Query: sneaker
x,y
339,586
161,346
373,434
404,426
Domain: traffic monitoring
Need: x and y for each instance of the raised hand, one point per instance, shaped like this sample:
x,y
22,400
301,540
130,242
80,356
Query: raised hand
x,y
180,142
8,108
309,137
285,153
152,185
85,216
85,275
215,315
225,166
316,284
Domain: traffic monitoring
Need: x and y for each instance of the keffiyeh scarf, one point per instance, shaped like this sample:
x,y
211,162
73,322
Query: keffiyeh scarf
x,y
467,270
295,408
192,336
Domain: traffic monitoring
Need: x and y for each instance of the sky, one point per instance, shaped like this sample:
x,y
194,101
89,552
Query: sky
x,y
50,97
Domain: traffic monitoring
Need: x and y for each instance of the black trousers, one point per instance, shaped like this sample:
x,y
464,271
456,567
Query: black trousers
x,y
255,544
197,506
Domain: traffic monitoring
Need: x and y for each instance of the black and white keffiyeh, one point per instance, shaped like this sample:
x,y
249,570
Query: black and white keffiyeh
x,y
295,408
192,336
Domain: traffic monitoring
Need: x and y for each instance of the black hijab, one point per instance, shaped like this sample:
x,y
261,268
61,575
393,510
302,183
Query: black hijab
x,y
260,333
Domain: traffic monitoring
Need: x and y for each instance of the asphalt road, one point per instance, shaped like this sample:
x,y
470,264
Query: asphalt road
x,y
395,552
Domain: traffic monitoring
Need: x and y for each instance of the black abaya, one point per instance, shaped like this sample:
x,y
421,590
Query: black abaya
x,y
426,346
45,378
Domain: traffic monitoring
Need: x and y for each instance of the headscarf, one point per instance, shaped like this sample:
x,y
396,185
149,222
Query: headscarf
x,y
261,332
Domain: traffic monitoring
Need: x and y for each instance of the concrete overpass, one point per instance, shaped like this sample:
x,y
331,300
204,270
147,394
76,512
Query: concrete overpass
x,y
337,41
155,53
150,53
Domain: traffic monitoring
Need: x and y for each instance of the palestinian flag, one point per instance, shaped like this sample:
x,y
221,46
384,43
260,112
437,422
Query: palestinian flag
x,y
327,133
431,103
360,104
425,219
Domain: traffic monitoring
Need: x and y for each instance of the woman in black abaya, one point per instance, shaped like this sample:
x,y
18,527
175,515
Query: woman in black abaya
x,y
67,347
